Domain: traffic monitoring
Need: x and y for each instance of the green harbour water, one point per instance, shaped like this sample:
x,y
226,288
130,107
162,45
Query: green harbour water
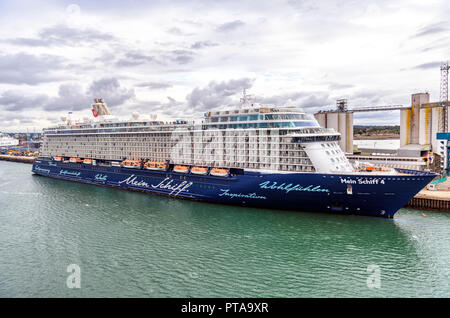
x,y
131,244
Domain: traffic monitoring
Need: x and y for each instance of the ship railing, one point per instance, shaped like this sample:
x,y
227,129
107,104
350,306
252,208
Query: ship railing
x,y
415,172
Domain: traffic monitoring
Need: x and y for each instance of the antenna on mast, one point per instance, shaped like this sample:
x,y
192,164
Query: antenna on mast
x,y
247,100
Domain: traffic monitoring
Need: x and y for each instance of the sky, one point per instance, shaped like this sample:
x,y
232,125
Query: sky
x,y
178,59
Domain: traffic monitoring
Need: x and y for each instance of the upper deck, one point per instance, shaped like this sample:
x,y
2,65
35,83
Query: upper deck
x,y
257,137
290,119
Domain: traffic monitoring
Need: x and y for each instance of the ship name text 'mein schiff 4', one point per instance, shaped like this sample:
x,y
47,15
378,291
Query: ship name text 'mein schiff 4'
x,y
260,156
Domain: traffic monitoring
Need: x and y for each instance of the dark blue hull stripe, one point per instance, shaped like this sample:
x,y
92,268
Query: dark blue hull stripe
x,y
374,195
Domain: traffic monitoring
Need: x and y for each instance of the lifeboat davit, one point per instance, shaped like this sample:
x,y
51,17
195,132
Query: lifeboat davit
x,y
132,164
219,172
160,166
181,169
199,170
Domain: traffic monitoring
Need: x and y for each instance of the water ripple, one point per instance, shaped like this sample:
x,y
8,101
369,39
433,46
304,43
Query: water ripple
x,y
134,245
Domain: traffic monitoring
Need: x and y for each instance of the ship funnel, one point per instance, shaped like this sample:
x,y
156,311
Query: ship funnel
x,y
99,108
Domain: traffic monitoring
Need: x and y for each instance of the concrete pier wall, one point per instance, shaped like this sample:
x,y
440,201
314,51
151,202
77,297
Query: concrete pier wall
x,y
17,158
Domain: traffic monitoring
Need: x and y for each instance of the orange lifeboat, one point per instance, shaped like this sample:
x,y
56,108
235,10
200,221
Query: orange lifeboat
x,y
219,172
370,168
58,158
160,166
199,170
181,169
87,161
75,160
132,164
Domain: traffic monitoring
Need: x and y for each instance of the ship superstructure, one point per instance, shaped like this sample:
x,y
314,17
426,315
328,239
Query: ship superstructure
x,y
7,141
254,155
267,138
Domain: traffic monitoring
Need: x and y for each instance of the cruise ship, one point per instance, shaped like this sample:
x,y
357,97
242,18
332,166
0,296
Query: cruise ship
x,y
6,141
254,155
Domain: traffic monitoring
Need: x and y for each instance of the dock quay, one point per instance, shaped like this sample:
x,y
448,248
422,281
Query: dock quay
x,y
17,158
431,200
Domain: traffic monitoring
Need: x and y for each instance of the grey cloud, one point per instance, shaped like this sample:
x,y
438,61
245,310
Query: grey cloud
x,y
71,97
172,108
134,59
178,31
26,42
16,101
317,100
230,26
23,68
217,94
202,44
281,99
27,120
181,56
313,101
367,98
334,85
303,6
433,29
175,31
154,85
428,65
226,94
52,118
63,35
191,22
16,118
110,90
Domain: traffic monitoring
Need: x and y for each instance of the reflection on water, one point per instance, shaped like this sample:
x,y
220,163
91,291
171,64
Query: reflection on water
x,y
132,244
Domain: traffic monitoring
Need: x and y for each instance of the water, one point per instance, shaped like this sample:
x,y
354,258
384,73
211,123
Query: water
x,y
135,245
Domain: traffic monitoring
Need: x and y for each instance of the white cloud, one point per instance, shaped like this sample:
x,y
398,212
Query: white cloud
x,y
185,56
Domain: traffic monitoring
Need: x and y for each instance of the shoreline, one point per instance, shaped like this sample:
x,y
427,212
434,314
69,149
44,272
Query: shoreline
x,y
21,159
